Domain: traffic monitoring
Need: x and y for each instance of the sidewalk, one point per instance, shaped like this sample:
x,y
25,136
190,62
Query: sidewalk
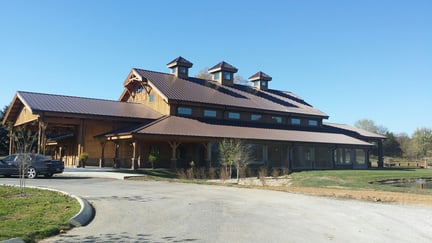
x,y
97,172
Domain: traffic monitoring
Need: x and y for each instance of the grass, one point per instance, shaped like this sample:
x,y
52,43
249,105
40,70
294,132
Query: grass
x,y
35,215
347,179
359,179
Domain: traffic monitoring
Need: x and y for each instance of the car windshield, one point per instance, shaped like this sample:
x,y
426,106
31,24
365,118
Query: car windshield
x,y
40,157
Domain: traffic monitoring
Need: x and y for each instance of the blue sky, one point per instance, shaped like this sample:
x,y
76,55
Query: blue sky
x,y
351,59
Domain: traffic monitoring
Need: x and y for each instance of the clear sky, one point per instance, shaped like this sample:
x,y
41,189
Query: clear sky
x,y
353,60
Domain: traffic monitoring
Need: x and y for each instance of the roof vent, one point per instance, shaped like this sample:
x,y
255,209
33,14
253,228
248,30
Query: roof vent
x,y
180,67
260,80
223,73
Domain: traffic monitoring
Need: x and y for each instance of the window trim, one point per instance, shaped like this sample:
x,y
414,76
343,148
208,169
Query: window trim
x,y
210,113
236,117
184,110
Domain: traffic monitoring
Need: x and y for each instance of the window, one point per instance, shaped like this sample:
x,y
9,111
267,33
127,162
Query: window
x,y
264,83
295,121
216,76
227,75
313,123
210,113
151,98
184,110
256,117
234,115
140,90
182,69
173,70
277,119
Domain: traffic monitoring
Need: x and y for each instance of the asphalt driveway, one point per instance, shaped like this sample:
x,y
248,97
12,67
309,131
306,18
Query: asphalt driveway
x,y
143,211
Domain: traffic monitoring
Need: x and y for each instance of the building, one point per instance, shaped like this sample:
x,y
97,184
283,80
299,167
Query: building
x,y
179,119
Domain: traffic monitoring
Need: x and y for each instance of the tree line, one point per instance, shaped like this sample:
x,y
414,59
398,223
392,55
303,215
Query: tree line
x,y
416,146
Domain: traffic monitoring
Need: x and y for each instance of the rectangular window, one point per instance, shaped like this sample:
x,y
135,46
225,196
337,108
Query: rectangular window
x,y
182,69
234,115
173,70
184,111
216,76
210,113
277,119
151,98
256,117
295,121
227,75
313,123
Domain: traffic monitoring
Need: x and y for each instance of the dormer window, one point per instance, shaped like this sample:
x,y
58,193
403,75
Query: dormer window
x,y
180,67
260,80
216,76
227,75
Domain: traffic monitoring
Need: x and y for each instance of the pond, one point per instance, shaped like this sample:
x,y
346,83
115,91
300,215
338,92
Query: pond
x,y
407,183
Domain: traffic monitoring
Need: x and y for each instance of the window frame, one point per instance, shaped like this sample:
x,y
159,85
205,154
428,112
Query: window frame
x,y
184,110
209,113
236,117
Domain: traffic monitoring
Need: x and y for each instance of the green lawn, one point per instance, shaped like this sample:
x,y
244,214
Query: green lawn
x,y
36,215
359,179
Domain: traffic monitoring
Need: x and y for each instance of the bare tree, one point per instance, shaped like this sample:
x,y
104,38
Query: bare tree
x,y
24,141
204,74
234,153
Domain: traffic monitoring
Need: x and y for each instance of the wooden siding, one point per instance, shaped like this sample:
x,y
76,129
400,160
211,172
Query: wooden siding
x,y
25,116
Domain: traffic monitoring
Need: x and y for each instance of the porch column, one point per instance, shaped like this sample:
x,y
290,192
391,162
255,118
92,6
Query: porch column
x,y
369,165
11,141
265,154
380,154
174,145
207,159
42,137
102,157
80,139
116,162
288,157
134,164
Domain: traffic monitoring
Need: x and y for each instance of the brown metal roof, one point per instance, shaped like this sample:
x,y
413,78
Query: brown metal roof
x,y
361,132
180,126
38,103
180,61
223,66
260,76
203,91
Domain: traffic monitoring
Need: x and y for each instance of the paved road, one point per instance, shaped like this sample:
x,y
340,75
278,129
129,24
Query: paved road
x,y
142,211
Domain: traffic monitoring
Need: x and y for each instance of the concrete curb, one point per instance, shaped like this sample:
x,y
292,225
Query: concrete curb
x,y
101,174
83,217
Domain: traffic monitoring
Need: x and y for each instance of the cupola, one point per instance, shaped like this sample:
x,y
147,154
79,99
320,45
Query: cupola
x,y
260,80
180,67
223,73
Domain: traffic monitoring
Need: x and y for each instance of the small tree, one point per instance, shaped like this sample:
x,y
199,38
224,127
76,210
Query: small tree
x,y
153,156
234,153
24,141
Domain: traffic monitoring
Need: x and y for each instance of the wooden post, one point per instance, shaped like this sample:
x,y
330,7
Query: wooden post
x,y
207,159
116,163
80,139
11,141
102,157
42,137
380,154
134,164
174,145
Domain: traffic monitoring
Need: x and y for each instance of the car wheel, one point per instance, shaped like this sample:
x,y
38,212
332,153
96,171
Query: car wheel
x,y
31,173
48,175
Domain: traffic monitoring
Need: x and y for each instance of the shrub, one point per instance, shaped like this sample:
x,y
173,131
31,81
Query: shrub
x,y
262,173
190,173
181,174
275,173
212,173
285,171
224,174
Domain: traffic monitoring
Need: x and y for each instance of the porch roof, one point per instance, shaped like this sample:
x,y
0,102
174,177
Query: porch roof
x,y
186,127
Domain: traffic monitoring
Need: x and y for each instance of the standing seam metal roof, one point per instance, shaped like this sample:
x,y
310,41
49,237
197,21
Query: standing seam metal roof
x,y
181,126
210,92
38,102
